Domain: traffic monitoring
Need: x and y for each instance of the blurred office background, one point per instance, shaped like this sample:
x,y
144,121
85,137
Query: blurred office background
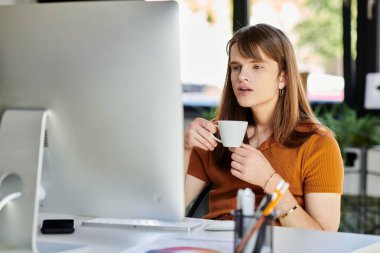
x,y
337,48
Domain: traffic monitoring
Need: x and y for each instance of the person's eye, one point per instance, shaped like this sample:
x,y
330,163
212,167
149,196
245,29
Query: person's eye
x,y
257,67
235,67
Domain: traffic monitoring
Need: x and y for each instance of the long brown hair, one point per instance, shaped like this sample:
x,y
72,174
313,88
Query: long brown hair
x,y
292,107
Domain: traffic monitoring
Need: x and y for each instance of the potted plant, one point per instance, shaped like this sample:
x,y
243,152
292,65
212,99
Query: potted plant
x,y
355,135
351,130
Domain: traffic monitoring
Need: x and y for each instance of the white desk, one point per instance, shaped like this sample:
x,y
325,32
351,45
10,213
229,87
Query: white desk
x,y
110,240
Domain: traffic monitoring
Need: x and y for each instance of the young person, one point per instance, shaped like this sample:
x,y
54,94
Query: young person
x,y
283,140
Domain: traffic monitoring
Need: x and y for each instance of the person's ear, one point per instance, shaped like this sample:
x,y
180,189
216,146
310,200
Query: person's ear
x,y
282,80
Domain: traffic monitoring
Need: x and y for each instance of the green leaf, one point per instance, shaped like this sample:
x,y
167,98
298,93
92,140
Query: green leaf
x,y
351,130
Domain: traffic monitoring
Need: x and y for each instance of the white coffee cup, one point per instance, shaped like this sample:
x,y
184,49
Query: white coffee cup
x,y
231,132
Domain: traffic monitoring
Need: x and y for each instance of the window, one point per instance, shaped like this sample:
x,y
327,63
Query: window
x,y
205,28
315,29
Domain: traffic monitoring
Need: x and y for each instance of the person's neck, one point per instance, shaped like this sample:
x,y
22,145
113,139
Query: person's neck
x,y
263,117
264,121
259,134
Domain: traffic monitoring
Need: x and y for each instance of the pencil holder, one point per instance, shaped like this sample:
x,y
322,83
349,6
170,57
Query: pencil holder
x,y
261,240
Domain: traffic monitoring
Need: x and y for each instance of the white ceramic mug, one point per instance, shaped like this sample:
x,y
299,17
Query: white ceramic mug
x,y
231,132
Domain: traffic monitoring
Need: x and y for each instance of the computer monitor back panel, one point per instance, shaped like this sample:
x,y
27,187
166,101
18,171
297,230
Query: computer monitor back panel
x,y
108,74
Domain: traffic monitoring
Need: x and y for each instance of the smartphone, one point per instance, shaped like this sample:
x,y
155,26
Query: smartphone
x,y
58,226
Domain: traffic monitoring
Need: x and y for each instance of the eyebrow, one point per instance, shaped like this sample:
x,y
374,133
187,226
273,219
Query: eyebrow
x,y
251,61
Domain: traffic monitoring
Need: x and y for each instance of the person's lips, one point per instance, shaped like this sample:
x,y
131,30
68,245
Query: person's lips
x,y
244,89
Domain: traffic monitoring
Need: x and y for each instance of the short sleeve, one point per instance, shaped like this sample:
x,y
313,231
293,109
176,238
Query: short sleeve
x,y
198,164
323,165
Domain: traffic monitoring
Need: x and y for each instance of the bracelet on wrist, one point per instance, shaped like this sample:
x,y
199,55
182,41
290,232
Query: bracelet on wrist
x,y
267,182
288,212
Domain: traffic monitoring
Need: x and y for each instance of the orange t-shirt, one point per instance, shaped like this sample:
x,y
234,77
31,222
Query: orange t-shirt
x,y
315,166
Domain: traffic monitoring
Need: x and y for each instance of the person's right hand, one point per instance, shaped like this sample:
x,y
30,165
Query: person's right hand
x,y
198,134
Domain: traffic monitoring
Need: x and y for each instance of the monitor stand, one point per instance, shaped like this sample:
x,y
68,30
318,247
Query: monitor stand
x,y
21,151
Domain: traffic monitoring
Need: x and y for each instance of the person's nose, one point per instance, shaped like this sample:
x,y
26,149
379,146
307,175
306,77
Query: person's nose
x,y
243,76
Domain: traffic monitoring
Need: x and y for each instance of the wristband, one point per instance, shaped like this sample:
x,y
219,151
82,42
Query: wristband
x,y
288,212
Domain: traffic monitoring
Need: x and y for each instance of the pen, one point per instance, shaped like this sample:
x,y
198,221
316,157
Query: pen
x,y
281,188
252,233
263,204
267,199
278,194
261,234
260,237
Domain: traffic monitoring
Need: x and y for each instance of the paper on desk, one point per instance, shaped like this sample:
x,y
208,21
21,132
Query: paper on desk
x,y
372,248
56,247
183,244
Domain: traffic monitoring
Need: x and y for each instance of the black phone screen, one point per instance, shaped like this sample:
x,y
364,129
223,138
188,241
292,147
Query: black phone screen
x,y
57,226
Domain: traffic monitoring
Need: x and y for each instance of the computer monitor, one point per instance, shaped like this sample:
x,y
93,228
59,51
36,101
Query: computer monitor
x,y
108,75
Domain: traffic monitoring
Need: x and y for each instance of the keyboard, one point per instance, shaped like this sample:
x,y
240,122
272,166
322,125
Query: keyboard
x,y
141,223
222,225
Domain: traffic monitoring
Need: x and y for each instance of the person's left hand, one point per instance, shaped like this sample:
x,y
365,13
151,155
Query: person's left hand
x,y
250,165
